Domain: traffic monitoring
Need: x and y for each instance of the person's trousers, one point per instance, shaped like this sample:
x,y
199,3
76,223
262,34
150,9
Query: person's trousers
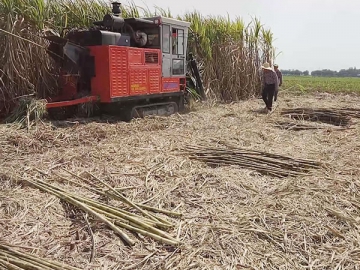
x,y
276,94
268,95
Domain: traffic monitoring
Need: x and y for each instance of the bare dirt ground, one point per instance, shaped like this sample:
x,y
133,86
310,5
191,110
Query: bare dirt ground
x,y
233,218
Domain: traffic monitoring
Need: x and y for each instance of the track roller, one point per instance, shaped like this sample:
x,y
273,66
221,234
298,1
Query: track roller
x,y
159,109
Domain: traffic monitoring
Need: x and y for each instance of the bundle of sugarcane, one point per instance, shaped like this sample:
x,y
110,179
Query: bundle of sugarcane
x,y
352,112
333,117
262,162
110,192
115,218
13,259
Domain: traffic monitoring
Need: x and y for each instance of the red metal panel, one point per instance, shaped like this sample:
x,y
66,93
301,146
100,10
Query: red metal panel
x,y
124,71
139,56
170,84
100,84
119,80
154,75
136,56
138,81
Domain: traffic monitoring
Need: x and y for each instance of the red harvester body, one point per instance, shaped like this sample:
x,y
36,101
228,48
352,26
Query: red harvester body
x,y
136,66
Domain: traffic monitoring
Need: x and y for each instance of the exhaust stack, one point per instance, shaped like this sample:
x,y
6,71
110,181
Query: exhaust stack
x,y
116,10
114,21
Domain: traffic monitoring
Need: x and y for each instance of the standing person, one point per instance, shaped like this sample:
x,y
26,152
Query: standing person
x,y
279,75
270,86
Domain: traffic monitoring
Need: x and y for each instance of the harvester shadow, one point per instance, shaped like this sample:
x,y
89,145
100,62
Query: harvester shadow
x,y
65,123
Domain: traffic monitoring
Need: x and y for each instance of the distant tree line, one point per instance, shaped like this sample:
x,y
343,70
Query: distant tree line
x,y
351,72
294,72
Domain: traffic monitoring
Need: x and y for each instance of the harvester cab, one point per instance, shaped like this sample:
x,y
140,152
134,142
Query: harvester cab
x,y
131,67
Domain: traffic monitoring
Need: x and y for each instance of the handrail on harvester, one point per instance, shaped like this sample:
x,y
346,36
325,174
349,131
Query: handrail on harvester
x,y
71,102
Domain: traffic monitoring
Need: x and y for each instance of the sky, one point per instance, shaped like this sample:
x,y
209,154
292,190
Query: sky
x,y
309,34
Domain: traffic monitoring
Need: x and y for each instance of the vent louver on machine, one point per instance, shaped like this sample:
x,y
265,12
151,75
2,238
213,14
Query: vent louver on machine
x,y
151,58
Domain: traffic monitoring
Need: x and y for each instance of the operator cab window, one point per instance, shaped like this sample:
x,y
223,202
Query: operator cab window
x,y
178,67
177,51
166,38
153,38
177,41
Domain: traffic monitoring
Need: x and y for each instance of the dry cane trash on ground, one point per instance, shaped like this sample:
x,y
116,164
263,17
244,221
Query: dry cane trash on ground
x,y
232,217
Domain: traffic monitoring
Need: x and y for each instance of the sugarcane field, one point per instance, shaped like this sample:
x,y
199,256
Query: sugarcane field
x,y
139,139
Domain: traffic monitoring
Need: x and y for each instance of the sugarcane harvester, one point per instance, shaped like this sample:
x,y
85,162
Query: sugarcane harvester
x,y
132,67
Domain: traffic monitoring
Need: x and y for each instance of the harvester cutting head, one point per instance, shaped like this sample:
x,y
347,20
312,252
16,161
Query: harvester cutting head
x,y
72,54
